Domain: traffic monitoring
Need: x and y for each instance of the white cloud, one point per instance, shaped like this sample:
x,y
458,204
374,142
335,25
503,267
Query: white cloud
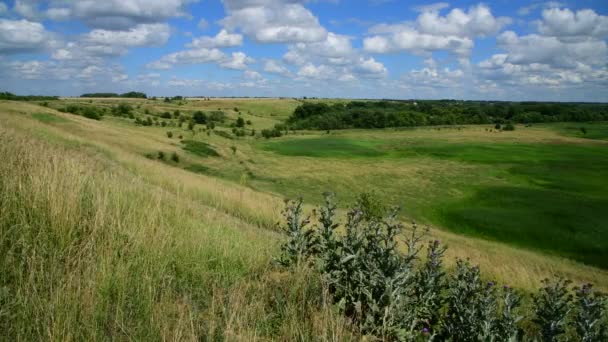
x,y
198,56
334,45
140,35
188,83
59,14
26,8
371,68
566,23
273,21
238,61
435,78
252,75
222,39
319,72
275,67
18,36
124,14
432,32
535,48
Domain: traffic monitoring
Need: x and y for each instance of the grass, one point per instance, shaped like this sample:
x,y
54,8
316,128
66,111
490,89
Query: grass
x,y
596,131
324,147
99,243
543,196
91,251
200,148
48,118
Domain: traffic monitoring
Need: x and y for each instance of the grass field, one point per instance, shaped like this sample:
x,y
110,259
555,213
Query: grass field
x,y
546,195
104,242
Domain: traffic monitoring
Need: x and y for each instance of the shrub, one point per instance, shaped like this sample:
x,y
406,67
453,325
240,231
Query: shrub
x,y
551,307
498,126
160,155
169,135
301,243
175,157
190,125
165,115
583,130
233,148
123,109
240,122
91,113
509,127
199,117
590,314
248,122
400,296
271,133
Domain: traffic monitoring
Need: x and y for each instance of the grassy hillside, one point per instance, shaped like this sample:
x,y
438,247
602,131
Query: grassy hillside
x,y
99,241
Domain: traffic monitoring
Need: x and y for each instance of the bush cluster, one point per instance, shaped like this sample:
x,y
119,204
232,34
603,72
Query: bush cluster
x,y
403,296
89,112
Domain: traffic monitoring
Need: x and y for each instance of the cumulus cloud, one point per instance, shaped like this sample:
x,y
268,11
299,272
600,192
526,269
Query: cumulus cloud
x,y
237,61
21,36
275,67
568,50
124,14
432,32
273,21
140,35
536,48
370,68
566,23
252,75
197,56
222,39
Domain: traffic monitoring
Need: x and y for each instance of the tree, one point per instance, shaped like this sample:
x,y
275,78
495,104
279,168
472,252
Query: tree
x,y
199,117
240,122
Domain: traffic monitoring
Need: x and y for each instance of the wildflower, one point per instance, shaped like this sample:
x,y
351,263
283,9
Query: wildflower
x,y
425,330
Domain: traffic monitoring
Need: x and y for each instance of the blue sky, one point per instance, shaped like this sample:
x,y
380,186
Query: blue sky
x,y
504,50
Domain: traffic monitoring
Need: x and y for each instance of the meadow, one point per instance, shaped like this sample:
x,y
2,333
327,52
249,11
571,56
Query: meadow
x,y
103,239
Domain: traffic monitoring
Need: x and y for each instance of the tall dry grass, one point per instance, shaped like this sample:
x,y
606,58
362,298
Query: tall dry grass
x,y
88,251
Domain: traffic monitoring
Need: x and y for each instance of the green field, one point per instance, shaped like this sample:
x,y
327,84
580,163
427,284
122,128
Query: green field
x,y
546,196
106,234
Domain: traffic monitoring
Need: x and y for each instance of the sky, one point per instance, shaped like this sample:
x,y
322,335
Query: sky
x,y
499,50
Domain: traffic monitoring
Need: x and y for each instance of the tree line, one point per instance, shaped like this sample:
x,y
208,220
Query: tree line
x,y
131,94
382,114
13,97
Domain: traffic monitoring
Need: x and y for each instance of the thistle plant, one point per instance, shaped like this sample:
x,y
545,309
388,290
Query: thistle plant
x,y
552,304
301,241
590,314
394,295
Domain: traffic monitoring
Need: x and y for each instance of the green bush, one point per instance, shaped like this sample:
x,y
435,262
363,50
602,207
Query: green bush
x,y
169,135
400,296
175,157
509,127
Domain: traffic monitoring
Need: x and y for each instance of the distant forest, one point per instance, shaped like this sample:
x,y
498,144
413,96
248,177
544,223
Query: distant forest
x,y
13,97
381,114
131,94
